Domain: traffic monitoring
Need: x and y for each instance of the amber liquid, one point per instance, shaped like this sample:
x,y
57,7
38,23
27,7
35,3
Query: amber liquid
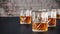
x,y
58,16
22,19
52,21
25,19
39,27
28,19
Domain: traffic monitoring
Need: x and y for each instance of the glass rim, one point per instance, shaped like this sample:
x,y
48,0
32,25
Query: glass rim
x,y
40,11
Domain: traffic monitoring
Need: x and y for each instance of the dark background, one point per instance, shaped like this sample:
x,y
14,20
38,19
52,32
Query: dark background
x,y
11,25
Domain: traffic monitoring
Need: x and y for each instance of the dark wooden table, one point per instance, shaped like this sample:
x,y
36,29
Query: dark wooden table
x,y
10,25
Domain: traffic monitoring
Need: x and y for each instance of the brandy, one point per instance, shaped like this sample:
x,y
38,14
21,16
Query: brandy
x,y
28,19
22,19
39,27
25,19
58,16
52,22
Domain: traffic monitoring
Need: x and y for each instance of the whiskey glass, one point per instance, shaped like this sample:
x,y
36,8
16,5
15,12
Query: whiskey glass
x,y
39,21
22,17
28,16
58,13
25,17
52,18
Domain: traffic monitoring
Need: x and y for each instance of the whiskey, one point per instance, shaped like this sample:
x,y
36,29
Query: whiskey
x,y
52,22
25,19
58,13
22,19
28,19
58,16
39,27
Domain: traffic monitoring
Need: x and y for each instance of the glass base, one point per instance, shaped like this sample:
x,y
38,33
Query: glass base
x,y
58,17
51,25
39,30
25,23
